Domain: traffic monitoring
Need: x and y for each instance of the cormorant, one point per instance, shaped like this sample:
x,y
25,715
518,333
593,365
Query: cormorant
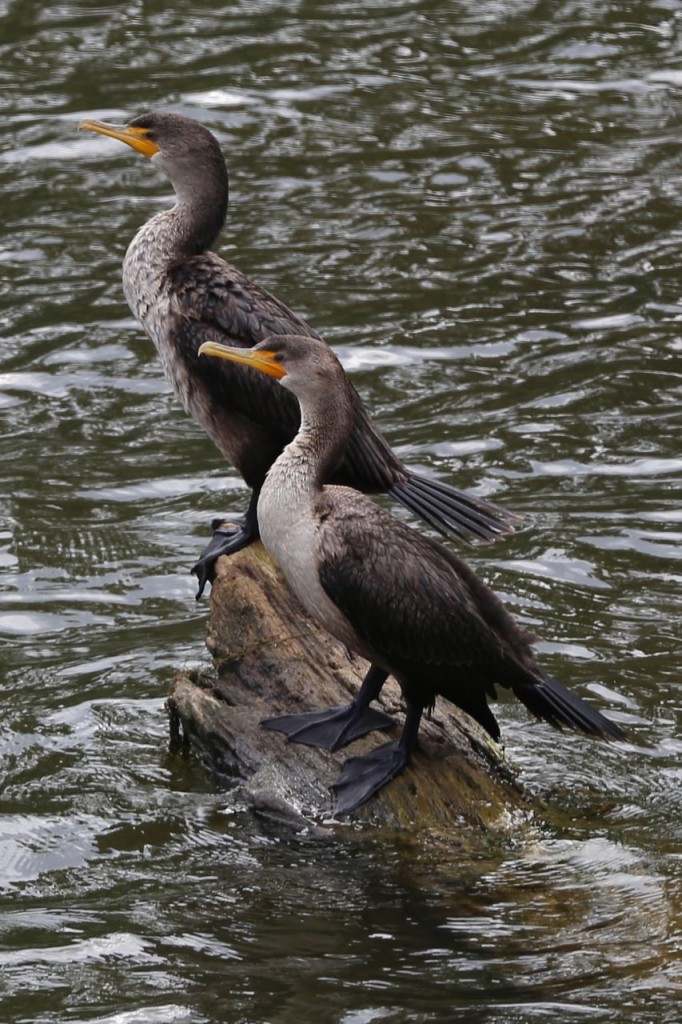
x,y
184,295
408,605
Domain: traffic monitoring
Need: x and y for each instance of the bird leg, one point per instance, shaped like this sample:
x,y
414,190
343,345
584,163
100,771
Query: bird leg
x,y
336,727
226,542
362,777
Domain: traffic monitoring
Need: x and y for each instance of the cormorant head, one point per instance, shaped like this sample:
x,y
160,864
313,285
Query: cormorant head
x,y
304,365
187,153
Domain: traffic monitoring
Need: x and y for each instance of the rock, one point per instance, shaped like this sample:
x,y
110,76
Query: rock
x,y
270,658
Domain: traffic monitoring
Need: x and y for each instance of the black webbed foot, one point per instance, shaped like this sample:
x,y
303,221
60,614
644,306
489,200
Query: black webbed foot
x,y
223,542
330,729
226,541
362,777
336,727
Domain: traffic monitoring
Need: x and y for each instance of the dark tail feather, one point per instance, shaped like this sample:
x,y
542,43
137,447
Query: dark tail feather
x,y
451,511
556,704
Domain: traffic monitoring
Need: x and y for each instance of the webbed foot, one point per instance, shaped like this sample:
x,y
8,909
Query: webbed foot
x,y
223,542
330,729
362,777
226,540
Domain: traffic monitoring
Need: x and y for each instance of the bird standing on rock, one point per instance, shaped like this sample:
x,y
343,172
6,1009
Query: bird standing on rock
x,y
185,295
404,602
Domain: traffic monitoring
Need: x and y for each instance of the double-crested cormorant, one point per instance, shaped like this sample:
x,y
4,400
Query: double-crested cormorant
x,y
184,295
404,602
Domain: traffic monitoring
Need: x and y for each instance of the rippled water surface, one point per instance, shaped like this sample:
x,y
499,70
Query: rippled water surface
x,y
480,206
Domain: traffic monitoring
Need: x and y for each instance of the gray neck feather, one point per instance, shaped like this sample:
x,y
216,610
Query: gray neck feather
x,y
198,216
317,449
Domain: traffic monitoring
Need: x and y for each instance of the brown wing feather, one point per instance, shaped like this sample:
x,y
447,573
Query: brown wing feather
x,y
215,301
426,616
410,599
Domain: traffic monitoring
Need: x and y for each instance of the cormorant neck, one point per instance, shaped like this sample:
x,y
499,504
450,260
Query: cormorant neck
x,y
199,214
326,424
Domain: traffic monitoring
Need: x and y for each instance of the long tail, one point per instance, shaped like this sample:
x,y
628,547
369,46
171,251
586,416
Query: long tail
x,y
556,704
451,511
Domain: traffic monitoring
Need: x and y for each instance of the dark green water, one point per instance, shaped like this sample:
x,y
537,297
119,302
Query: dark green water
x,y
480,206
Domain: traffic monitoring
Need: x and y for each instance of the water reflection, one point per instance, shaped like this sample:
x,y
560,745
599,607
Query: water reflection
x,y
549,922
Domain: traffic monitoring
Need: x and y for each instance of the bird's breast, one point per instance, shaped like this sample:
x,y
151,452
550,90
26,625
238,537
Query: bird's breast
x,y
289,529
145,270
146,286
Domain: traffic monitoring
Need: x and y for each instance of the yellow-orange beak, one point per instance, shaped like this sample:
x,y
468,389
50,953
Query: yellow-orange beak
x,y
138,138
263,360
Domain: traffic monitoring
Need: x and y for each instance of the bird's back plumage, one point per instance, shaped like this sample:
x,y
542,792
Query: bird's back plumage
x,y
425,615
